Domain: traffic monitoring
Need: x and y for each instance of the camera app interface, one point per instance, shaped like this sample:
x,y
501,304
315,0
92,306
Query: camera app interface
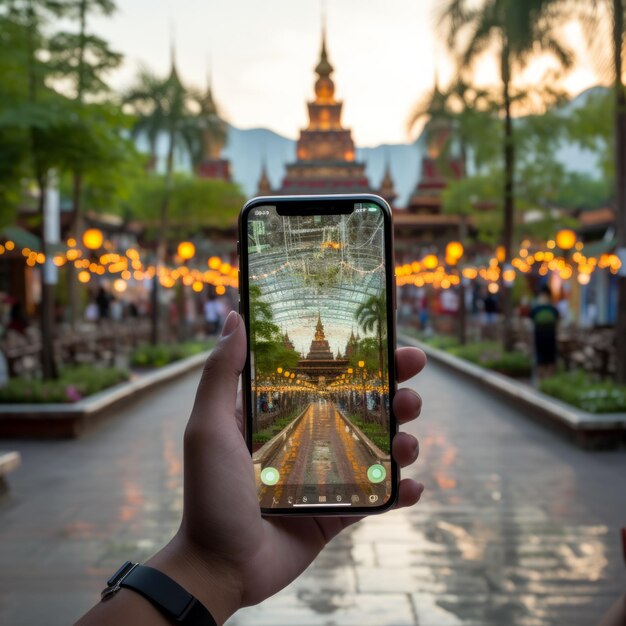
x,y
318,338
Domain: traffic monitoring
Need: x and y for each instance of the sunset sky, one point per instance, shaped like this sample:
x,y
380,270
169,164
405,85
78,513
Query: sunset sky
x,y
261,57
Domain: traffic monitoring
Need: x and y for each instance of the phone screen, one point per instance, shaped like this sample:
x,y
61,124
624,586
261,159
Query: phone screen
x,y
319,369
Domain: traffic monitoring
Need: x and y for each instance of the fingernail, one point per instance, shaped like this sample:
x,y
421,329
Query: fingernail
x,y
231,323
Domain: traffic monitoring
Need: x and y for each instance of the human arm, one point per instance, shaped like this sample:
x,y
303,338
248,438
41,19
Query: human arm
x,y
225,553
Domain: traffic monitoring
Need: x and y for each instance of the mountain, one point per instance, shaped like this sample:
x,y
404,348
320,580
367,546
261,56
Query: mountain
x,y
247,149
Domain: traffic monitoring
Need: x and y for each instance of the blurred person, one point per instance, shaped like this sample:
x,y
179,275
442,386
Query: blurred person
x,y
92,312
116,309
225,552
211,316
131,310
563,308
490,307
18,321
545,317
103,300
423,311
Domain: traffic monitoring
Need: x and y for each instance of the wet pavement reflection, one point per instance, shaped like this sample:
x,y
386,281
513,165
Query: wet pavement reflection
x,y
516,526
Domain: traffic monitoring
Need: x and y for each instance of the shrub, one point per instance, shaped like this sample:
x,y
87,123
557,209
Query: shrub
x,y
490,355
442,342
586,392
263,436
73,384
375,432
162,354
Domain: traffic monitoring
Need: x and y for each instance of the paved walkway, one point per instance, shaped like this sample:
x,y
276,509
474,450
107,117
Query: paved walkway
x,y
516,527
321,450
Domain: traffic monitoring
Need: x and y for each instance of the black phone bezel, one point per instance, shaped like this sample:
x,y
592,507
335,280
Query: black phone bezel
x,y
335,203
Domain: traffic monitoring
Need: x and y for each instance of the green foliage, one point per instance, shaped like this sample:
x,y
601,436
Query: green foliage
x,y
83,58
371,315
263,436
366,350
586,392
481,197
72,385
592,127
162,106
580,191
162,354
266,341
541,184
491,356
374,431
193,202
441,342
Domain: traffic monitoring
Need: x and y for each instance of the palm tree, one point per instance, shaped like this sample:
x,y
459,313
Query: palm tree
x,y
371,315
211,131
604,20
620,181
145,99
465,111
517,30
163,109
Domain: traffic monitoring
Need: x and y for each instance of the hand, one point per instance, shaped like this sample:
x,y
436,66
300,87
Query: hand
x,y
225,552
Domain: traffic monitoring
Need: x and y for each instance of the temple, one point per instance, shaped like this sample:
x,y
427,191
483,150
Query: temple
x,y
325,151
320,363
423,223
213,139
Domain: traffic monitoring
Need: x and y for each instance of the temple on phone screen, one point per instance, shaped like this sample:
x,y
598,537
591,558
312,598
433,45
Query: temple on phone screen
x,y
318,338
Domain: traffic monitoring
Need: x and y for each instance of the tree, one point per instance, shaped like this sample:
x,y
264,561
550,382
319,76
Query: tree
x,y
194,203
461,118
42,116
266,344
211,130
162,106
516,30
605,20
82,59
14,141
371,315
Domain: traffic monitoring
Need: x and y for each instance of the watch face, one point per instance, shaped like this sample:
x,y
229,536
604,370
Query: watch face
x,y
320,396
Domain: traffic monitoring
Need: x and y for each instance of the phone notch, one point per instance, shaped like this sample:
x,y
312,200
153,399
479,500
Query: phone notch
x,y
305,208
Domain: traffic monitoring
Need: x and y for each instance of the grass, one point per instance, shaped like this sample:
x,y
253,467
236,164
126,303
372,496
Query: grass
x,y
162,354
375,432
586,392
442,342
73,384
489,354
263,436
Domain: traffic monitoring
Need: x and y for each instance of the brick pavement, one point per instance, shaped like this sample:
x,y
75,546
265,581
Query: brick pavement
x,y
516,527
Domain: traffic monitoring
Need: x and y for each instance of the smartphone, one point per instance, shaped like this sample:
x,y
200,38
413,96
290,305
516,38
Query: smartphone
x,y
317,294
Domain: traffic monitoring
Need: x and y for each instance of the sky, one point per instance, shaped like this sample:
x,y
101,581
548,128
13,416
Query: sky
x,y
261,57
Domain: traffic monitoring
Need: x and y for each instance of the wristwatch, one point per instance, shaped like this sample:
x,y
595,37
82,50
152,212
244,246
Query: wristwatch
x,y
164,593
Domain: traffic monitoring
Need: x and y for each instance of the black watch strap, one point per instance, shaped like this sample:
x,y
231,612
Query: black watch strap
x,y
166,594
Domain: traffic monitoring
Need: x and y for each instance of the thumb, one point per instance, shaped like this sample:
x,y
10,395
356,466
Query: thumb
x,y
217,392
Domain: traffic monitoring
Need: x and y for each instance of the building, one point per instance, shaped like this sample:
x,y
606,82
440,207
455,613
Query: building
x,y
423,226
213,140
325,153
319,363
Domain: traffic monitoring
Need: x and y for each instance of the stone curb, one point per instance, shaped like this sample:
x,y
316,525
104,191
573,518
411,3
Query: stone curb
x,y
364,439
50,421
589,430
269,447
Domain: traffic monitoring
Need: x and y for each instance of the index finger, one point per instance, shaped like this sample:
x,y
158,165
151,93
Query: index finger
x,y
409,361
